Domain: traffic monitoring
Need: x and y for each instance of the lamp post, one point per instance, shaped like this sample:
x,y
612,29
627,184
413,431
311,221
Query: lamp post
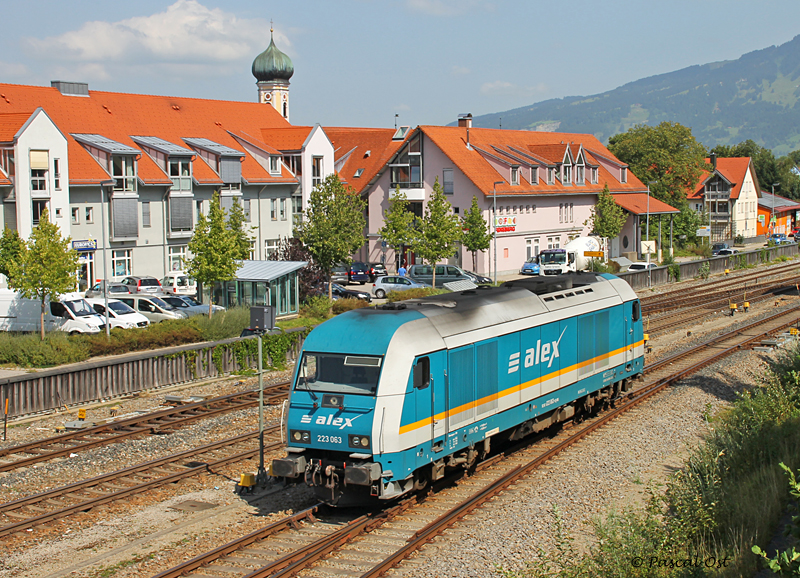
x,y
647,228
494,221
772,214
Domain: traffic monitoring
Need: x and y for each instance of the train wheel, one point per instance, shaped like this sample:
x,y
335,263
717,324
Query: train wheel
x,y
420,481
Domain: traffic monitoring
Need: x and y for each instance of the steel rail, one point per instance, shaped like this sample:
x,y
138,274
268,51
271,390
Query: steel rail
x,y
140,425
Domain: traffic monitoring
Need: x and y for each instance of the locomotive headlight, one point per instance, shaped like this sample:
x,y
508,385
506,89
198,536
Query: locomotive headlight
x,y
357,441
300,436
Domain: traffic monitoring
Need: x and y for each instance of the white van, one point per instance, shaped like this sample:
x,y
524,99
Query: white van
x,y
119,315
71,313
178,283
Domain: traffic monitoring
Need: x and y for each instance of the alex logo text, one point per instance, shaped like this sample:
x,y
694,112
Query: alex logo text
x,y
542,353
340,422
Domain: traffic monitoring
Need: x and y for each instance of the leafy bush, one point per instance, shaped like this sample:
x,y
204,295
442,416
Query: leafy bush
x,y
317,307
165,334
27,350
222,324
738,240
342,305
394,296
674,271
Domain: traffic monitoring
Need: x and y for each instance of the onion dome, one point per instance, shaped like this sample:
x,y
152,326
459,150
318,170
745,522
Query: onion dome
x,y
272,64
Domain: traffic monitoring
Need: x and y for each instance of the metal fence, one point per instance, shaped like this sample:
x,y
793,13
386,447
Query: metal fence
x,y
716,266
47,390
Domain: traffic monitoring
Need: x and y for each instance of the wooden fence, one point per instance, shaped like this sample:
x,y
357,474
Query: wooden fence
x,y
47,390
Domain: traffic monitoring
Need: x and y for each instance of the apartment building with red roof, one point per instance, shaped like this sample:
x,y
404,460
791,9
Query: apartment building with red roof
x,y
544,186
150,164
728,197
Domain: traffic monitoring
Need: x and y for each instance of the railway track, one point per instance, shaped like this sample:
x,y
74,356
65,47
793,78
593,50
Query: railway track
x,y
159,422
371,545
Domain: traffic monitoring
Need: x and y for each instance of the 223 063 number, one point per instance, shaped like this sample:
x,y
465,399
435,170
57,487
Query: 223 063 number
x,y
329,439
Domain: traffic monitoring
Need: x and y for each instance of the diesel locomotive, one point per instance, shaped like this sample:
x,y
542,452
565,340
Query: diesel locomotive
x,y
384,400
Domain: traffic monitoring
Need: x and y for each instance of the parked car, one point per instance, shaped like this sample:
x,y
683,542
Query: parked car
x,y
152,307
778,239
340,292
717,247
189,305
641,266
475,278
388,283
358,273
146,284
339,274
70,313
376,270
531,266
98,289
444,274
178,283
724,252
795,232
119,315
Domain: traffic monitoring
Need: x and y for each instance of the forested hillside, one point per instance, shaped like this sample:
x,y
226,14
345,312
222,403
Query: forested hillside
x,y
754,97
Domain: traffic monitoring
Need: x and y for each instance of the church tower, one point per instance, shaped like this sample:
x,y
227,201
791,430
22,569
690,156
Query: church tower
x,y
273,69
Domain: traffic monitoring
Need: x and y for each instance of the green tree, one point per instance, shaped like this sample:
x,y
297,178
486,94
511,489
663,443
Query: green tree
x,y
476,236
11,247
239,227
47,266
213,248
607,217
398,224
439,231
667,154
333,227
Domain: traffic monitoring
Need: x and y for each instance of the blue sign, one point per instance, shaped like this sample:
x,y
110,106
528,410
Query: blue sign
x,y
85,245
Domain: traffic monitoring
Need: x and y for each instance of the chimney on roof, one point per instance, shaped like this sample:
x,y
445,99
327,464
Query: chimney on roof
x,y
713,157
71,88
465,120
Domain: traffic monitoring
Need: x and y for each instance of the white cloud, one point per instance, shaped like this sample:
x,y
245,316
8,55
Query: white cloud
x,y
9,69
459,70
186,32
448,7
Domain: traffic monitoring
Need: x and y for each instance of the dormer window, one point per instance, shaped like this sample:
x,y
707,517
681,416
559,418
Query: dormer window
x,y
273,165
514,175
566,174
123,169
580,178
358,173
180,171
623,175
593,172
534,176
551,175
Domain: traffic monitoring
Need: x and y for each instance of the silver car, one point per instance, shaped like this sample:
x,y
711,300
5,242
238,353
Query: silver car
x,y
114,289
388,283
189,305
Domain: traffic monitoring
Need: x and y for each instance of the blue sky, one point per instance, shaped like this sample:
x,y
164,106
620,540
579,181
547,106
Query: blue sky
x,y
360,62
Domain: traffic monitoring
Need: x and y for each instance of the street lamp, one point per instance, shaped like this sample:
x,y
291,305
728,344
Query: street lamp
x,y
647,227
494,220
772,215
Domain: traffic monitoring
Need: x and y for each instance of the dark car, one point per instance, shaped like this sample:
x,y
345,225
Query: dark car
x,y
358,273
477,279
340,292
717,247
376,270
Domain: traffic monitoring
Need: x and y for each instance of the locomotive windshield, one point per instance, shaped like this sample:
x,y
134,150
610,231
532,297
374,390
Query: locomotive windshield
x,y
548,258
331,373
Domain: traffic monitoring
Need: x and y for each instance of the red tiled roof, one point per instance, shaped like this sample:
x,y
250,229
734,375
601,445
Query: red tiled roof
x,y
733,169
10,123
118,116
289,138
636,204
357,141
549,146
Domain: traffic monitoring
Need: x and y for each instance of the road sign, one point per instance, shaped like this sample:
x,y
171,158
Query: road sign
x,y
648,247
592,253
703,232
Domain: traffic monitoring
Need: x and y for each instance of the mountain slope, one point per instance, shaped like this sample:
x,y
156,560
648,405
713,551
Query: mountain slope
x,y
755,97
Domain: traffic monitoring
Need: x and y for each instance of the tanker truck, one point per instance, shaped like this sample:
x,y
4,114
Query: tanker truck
x,y
571,258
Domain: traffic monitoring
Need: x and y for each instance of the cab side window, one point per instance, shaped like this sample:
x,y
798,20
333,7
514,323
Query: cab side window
x,y
637,311
57,309
422,373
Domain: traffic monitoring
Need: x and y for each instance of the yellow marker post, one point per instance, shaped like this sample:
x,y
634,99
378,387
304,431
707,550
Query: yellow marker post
x,y
81,415
5,421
